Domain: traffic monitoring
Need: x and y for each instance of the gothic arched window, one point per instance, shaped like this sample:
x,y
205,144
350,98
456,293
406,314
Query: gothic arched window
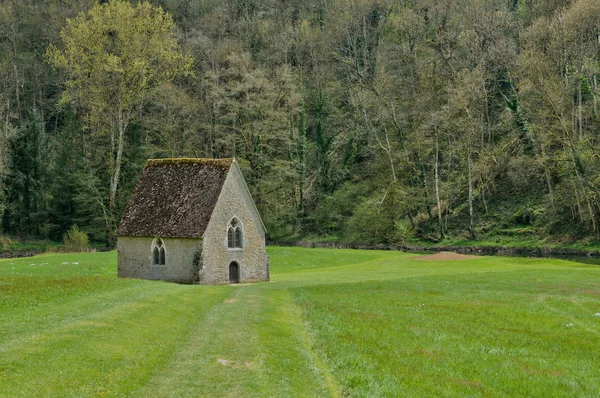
x,y
158,252
234,234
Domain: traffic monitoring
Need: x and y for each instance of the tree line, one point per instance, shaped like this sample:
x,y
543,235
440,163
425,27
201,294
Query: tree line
x,y
371,121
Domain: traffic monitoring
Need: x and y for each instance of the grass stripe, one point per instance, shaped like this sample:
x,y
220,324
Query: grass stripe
x,y
251,344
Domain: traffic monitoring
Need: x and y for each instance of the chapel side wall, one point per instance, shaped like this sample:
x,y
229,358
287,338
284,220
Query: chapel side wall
x,y
135,260
253,260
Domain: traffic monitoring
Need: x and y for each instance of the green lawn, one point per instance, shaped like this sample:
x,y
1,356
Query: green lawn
x,y
330,323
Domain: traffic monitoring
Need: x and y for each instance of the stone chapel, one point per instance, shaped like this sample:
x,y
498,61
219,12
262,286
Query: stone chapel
x,y
192,221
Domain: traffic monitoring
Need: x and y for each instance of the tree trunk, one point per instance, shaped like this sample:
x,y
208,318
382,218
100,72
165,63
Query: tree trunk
x,y
16,72
485,207
387,148
437,190
582,182
117,165
112,203
574,186
487,120
365,47
302,161
579,111
547,175
423,178
389,153
413,223
595,85
470,166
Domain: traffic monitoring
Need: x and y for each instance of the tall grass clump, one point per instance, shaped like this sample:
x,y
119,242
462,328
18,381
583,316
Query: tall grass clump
x,y
75,240
5,241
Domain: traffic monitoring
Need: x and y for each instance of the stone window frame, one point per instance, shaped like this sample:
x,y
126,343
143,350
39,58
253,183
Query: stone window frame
x,y
238,234
158,246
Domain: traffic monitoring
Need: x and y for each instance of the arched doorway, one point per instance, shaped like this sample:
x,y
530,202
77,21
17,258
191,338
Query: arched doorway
x,y
234,272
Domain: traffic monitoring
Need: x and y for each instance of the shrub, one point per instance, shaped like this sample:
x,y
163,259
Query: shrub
x,y
75,240
5,241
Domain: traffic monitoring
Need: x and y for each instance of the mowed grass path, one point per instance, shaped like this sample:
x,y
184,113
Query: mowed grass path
x,y
330,323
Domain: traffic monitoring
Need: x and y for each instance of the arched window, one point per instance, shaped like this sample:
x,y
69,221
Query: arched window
x,y
158,252
234,234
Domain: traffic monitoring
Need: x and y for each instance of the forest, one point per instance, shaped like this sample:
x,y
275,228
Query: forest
x,y
370,121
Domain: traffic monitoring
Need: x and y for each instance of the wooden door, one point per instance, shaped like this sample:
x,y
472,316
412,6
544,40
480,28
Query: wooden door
x,y
234,273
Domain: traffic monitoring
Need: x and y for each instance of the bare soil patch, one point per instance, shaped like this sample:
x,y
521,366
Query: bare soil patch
x,y
441,256
234,364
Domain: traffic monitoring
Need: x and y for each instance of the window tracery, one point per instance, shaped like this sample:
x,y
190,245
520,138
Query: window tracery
x,y
158,252
234,234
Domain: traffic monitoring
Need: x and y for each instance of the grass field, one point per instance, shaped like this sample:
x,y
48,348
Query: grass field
x,y
331,323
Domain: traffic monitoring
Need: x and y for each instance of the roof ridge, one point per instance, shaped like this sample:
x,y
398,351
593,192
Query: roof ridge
x,y
224,162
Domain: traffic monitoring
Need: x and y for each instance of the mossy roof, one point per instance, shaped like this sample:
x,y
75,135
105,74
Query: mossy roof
x,y
174,198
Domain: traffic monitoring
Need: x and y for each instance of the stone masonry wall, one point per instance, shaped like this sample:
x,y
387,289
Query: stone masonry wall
x,y
252,258
135,259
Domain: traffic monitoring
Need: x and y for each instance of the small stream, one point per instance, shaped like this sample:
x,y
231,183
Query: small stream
x,y
579,259
575,255
578,256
